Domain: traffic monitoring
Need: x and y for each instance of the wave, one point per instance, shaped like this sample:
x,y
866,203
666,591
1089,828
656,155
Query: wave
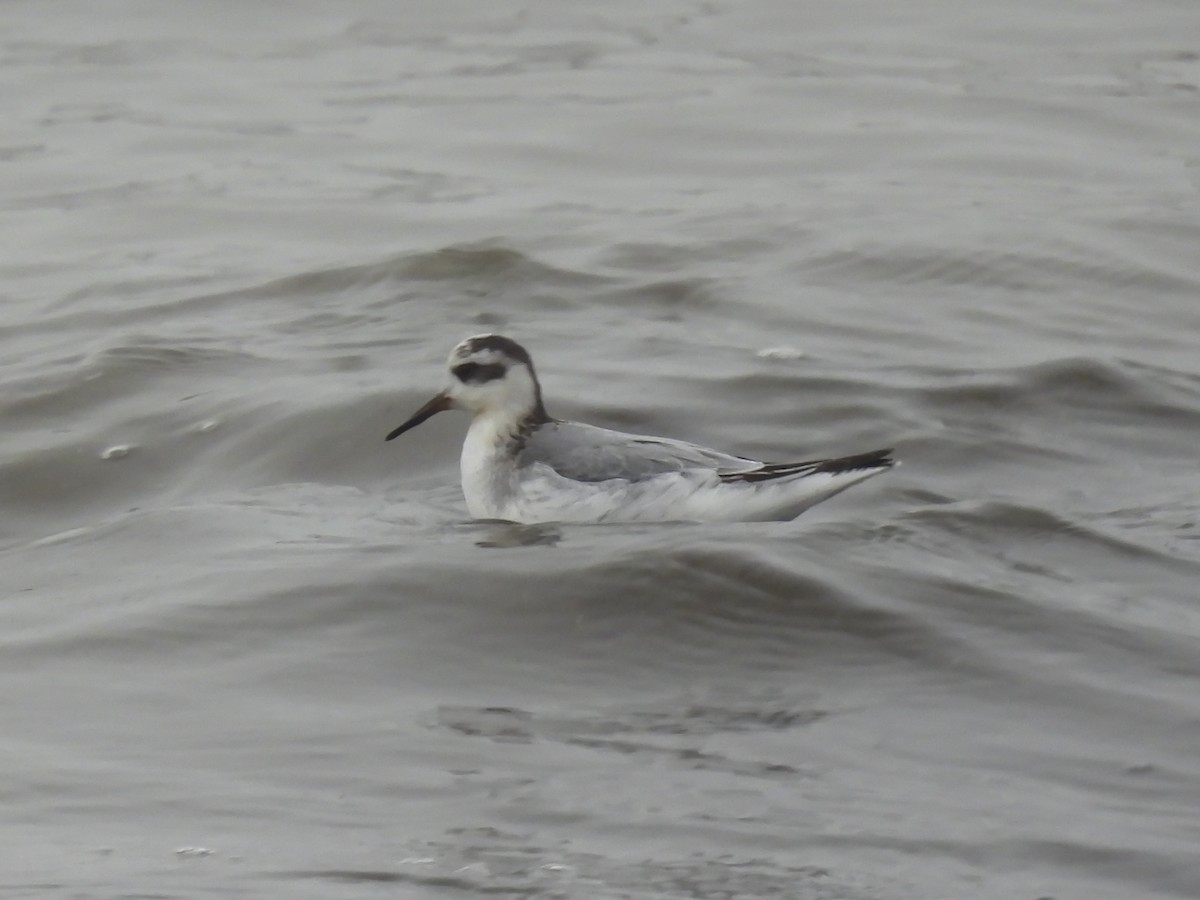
x,y
1018,271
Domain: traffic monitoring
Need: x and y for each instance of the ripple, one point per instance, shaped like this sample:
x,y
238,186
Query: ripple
x,y
491,263
1021,271
1077,383
492,862
119,375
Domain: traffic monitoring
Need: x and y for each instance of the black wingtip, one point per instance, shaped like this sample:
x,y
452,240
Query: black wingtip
x,y
861,462
875,459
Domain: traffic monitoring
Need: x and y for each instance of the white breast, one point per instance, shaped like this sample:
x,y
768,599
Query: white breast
x,y
487,468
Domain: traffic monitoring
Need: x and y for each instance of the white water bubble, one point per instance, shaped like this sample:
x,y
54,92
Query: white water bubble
x,y
194,852
782,353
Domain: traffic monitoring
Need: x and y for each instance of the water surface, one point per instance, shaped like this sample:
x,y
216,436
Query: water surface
x,y
250,649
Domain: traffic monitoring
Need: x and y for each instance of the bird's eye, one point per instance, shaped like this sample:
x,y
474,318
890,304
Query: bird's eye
x,y
478,373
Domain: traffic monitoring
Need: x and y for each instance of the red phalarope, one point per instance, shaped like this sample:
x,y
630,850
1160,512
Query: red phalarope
x,y
520,464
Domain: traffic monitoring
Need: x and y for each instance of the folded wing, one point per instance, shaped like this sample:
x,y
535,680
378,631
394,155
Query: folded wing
x,y
587,453
875,459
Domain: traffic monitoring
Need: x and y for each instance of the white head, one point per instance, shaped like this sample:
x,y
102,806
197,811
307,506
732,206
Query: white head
x,y
490,375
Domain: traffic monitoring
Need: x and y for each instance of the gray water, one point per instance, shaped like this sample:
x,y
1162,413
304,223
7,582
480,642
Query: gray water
x,y
251,650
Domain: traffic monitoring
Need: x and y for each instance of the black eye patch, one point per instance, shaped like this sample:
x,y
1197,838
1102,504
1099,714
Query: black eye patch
x,y
478,373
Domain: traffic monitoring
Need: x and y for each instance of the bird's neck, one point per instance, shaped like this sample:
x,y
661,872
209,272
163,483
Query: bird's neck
x,y
489,460
496,430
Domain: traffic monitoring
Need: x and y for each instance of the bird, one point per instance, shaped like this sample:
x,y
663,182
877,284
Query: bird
x,y
522,465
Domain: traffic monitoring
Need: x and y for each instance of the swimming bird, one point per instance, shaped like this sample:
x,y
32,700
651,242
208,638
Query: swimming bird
x,y
520,464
